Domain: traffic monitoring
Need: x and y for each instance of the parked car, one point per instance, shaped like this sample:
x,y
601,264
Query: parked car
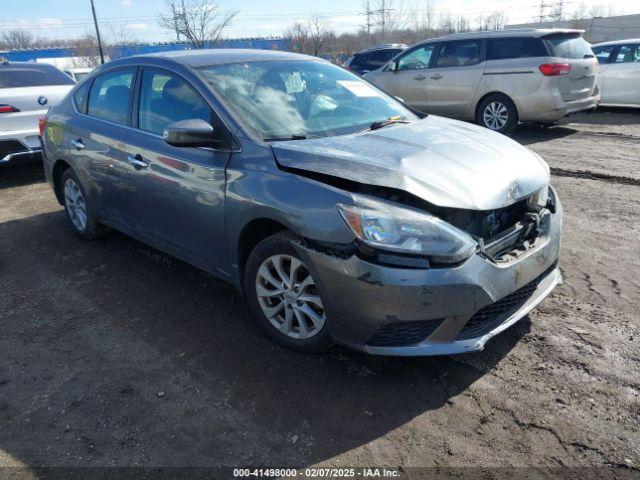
x,y
373,58
78,74
496,78
619,77
27,90
339,213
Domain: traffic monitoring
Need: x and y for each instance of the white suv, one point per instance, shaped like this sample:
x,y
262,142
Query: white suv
x,y
27,90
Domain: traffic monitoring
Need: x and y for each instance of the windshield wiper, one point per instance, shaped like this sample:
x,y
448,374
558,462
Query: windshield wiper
x,y
388,121
295,136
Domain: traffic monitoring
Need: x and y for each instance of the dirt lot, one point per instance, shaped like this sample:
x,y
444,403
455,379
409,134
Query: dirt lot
x,y
113,354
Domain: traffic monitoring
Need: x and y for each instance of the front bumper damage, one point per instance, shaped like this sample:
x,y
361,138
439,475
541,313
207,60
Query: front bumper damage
x,y
438,311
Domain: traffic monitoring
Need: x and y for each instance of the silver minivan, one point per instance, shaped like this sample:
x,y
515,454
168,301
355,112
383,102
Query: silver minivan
x,y
496,78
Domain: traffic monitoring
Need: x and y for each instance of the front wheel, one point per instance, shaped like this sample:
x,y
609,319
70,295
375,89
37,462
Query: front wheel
x,y
285,297
497,112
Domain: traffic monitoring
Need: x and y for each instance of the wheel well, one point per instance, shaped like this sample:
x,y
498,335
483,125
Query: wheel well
x,y
252,234
58,169
485,96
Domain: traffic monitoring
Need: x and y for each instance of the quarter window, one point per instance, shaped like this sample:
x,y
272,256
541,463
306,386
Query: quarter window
x,y
109,96
165,98
459,54
417,59
505,48
80,98
628,54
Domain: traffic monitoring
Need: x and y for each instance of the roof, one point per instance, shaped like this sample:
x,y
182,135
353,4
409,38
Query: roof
x,y
394,46
525,32
617,42
216,56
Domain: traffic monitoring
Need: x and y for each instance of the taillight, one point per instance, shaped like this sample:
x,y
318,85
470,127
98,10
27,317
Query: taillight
x,y
554,69
42,124
8,108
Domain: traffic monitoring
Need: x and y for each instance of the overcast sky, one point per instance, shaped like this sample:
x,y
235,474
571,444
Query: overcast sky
x,y
71,18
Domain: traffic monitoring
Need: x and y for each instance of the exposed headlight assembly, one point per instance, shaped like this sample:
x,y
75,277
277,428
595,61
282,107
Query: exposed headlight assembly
x,y
397,229
539,199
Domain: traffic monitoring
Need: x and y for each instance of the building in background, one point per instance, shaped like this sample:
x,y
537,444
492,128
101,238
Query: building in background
x,y
68,56
599,29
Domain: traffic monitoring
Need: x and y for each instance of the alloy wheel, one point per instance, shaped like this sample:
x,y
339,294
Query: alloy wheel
x,y
75,203
289,298
495,115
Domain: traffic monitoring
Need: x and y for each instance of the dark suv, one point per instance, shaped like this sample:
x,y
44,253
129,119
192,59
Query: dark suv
x,y
373,58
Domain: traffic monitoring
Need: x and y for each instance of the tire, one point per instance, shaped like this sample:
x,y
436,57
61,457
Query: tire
x,y
300,321
498,113
80,216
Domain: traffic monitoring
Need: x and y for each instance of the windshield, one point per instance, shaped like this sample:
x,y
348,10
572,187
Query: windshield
x,y
281,99
571,46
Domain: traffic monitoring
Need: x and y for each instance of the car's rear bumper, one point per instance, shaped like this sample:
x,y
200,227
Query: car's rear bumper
x,y
19,145
395,311
554,108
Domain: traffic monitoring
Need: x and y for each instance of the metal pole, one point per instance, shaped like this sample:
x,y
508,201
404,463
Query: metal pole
x,y
95,22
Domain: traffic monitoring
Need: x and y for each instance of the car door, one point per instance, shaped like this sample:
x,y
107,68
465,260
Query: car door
x,y
604,56
406,76
454,79
623,76
95,142
179,192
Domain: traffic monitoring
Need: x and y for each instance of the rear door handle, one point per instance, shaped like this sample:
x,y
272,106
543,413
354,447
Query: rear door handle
x,y
419,77
137,161
78,144
437,76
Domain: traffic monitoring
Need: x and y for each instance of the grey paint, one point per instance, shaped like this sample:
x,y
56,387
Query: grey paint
x,y
195,203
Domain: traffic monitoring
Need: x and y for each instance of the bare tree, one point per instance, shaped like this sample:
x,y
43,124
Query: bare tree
x,y
492,21
312,36
16,39
200,22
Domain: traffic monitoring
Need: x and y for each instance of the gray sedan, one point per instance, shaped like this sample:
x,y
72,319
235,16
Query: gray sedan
x,y
341,215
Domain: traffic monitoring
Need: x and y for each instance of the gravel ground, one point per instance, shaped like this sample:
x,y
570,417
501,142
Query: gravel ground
x,y
114,354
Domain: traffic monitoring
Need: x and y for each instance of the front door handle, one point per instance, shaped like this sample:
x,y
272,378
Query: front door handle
x,y
137,161
78,144
437,76
419,77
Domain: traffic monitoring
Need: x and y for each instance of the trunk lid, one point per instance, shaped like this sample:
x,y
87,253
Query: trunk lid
x,y
571,48
26,99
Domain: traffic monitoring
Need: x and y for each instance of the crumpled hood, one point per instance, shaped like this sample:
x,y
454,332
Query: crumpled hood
x,y
445,162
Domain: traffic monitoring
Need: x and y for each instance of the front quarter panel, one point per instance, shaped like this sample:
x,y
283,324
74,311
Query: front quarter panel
x,y
257,189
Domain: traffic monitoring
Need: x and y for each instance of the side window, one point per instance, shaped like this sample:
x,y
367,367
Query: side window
x,y
109,96
627,54
417,59
80,98
506,48
603,53
459,54
165,98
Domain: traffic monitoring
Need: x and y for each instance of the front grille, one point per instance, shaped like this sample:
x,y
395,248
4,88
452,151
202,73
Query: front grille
x,y
401,334
11,146
489,317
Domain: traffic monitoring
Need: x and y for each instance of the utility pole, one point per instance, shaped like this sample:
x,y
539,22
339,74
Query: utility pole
x,y
95,22
368,18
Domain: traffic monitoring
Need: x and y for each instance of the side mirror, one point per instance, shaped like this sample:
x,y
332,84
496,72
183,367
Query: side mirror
x,y
393,66
189,133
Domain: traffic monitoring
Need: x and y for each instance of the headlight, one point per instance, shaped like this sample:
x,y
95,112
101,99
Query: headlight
x,y
539,199
388,227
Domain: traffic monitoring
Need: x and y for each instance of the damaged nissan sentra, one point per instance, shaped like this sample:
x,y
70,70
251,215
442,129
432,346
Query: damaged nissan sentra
x,y
342,215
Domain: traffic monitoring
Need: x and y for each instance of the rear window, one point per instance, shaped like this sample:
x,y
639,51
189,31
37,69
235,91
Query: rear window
x,y
571,46
505,48
32,76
